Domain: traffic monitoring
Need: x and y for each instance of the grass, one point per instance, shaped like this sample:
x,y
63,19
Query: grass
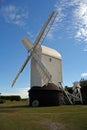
x,y
18,116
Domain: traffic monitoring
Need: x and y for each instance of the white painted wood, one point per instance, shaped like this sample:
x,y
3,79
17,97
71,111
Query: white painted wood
x,y
52,61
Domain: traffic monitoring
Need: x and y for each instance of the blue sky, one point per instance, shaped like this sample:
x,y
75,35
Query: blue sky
x,y
68,36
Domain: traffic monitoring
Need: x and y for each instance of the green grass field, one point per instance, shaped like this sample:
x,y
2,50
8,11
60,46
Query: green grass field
x,y
18,116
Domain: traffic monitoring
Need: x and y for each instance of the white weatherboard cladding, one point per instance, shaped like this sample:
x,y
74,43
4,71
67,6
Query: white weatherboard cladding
x,y
53,65
52,61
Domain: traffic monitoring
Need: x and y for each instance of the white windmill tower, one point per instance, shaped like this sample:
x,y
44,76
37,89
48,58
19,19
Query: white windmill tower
x,y
46,66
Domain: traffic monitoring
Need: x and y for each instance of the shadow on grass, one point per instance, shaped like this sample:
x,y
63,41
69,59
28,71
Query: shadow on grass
x,y
12,108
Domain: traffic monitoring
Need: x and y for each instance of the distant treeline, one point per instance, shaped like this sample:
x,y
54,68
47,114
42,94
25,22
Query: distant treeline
x,y
11,98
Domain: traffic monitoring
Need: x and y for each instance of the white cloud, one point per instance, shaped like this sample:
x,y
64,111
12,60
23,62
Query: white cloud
x,y
85,49
72,17
30,34
23,92
84,75
80,16
73,12
13,14
58,20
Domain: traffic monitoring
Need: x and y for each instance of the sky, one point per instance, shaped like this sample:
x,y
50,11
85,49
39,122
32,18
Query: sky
x,y
68,36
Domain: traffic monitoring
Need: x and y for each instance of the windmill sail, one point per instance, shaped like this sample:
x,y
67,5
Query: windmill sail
x,y
46,76
28,45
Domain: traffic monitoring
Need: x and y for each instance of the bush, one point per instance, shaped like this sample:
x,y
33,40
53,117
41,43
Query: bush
x,y
2,101
11,98
83,84
69,89
15,98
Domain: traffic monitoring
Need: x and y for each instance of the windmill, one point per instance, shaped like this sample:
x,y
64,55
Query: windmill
x,y
46,69
42,71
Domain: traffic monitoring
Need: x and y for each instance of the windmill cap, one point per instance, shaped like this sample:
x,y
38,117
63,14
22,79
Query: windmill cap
x,y
51,52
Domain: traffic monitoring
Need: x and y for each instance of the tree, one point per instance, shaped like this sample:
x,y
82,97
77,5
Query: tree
x,y
83,84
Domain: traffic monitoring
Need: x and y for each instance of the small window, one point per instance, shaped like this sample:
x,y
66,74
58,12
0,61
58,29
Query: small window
x,y
50,59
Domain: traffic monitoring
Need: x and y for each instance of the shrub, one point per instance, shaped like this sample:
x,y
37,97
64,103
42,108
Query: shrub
x,y
11,98
2,101
83,84
15,98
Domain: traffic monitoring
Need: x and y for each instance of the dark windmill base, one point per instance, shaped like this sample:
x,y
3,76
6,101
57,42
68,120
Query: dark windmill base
x,y
49,95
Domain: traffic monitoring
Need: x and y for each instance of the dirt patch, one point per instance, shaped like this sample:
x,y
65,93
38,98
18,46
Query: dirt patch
x,y
56,126
52,125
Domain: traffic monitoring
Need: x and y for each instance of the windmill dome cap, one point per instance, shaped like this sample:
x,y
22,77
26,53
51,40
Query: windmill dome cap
x,y
51,52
